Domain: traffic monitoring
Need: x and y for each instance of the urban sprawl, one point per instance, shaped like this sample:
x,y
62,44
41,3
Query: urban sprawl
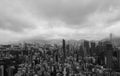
x,y
85,58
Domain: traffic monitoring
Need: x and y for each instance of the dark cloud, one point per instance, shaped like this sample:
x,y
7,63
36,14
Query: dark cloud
x,y
71,12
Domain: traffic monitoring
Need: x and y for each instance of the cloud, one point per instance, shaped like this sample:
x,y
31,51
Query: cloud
x,y
50,19
72,12
14,17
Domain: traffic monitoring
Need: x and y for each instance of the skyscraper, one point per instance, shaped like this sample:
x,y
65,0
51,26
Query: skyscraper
x,y
64,49
1,70
109,51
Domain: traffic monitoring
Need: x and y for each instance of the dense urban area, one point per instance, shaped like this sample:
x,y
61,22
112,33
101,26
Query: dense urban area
x,y
69,58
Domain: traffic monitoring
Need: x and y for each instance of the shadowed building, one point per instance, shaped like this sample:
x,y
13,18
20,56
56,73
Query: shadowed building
x,y
109,54
118,57
1,70
64,49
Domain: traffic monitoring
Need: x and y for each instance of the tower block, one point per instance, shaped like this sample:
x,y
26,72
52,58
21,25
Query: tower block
x,y
64,48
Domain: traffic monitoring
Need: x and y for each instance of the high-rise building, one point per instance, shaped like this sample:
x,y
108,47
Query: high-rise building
x,y
1,70
92,49
10,70
86,48
109,52
118,57
64,48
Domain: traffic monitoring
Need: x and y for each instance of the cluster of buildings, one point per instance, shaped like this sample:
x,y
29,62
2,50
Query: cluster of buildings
x,y
86,58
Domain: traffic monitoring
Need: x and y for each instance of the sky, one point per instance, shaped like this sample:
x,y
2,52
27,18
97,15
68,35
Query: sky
x,y
57,19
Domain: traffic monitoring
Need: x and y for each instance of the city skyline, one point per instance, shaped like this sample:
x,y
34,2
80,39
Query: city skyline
x,y
58,19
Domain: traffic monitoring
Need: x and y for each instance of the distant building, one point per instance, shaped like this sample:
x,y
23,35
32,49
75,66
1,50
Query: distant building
x,y
92,48
86,48
109,54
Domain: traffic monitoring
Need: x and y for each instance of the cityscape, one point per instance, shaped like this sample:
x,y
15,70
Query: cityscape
x,y
68,58
59,38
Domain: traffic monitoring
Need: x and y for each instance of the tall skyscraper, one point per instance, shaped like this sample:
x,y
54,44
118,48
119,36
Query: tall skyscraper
x,y
109,52
86,48
118,57
64,49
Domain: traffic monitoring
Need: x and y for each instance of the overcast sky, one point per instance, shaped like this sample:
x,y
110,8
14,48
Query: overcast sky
x,y
51,19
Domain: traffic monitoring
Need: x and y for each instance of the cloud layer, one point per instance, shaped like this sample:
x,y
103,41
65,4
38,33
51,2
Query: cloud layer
x,y
51,19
